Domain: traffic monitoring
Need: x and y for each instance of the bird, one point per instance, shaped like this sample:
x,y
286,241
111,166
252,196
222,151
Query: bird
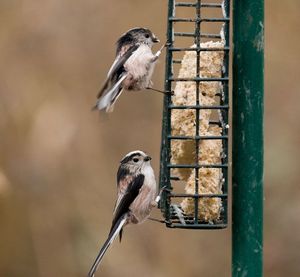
x,y
136,196
132,68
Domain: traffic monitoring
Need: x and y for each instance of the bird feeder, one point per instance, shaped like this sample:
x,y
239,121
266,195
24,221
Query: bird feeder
x,y
195,127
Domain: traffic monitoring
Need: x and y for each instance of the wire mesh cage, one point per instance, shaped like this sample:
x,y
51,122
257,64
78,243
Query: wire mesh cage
x,y
194,150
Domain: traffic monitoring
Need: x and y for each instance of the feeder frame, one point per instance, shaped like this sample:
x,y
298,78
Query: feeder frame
x,y
193,222
247,157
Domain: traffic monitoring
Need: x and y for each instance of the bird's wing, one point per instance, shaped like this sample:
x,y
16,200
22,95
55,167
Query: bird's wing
x,y
123,180
125,200
116,69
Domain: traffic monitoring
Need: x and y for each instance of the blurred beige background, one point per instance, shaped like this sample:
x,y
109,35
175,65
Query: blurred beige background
x,y
58,160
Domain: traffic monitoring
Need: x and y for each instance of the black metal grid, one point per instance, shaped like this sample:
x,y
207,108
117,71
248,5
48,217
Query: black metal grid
x,y
172,212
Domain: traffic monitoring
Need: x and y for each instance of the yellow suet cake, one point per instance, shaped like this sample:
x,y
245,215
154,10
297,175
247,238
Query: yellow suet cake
x,y
183,123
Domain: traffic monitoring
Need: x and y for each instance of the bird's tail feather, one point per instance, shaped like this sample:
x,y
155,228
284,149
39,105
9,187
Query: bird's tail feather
x,y
107,101
112,235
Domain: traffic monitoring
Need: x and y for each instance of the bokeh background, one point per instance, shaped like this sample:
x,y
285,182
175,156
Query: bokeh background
x,y
58,160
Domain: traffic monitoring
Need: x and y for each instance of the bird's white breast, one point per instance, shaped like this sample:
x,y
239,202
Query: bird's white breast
x,y
149,176
140,65
143,204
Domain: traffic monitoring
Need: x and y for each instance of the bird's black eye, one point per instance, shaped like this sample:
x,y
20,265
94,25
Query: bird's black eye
x,y
147,36
135,160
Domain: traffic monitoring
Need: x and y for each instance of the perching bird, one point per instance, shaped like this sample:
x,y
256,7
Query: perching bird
x,y
136,187
132,68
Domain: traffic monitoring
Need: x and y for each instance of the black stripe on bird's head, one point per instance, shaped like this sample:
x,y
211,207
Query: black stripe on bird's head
x,y
135,157
136,35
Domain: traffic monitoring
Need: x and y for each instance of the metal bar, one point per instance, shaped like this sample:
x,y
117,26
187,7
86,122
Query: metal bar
x,y
176,61
199,79
181,195
224,100
214,122
200,107
198,226
206,35
197,137
164,176
248,97
211,5
197,165
178,19
202,35
203,5
197,42
182,4
177,49
184,34
215,19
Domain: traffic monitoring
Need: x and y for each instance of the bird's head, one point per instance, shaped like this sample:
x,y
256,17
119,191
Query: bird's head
x,y
137,36
136,159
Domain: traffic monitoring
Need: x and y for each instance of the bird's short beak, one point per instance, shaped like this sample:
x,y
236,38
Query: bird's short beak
x,y
147,158
155,39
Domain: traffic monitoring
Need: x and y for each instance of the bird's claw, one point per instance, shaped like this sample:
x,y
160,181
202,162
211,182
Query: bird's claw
x,y
158,197
167,44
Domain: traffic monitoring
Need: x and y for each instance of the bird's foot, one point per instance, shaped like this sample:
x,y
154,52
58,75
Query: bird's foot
x,y
162,91
158,197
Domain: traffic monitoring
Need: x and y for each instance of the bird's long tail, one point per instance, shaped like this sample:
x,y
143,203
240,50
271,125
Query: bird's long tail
x,y
112,235
107,101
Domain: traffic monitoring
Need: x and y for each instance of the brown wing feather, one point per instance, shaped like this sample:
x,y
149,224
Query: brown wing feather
x,y
120,60
122,187
132,191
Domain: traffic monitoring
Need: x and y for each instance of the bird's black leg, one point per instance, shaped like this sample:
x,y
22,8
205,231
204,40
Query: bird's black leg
x,y
162,91
157,220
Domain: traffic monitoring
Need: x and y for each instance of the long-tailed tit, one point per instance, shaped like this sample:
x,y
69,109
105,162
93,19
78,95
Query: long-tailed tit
x,y
136,196
132,68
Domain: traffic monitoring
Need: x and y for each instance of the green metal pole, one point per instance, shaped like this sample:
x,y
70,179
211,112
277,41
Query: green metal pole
x,y
248,90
